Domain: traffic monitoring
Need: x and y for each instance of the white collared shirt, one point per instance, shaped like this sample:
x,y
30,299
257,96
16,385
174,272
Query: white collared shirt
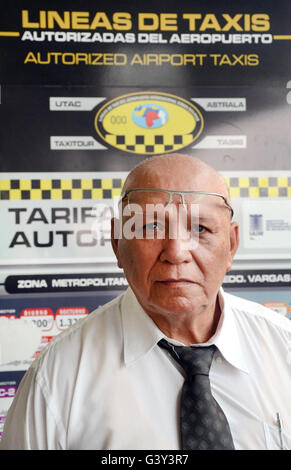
x,y
106,384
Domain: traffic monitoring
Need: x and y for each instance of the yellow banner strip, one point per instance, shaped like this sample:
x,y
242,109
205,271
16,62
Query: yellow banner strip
x,y
282,37
9,33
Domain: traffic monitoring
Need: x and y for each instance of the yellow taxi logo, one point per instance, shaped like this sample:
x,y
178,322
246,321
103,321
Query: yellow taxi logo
x,y
149,123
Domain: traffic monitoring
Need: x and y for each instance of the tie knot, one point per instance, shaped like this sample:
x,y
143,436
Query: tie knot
x,y
194,359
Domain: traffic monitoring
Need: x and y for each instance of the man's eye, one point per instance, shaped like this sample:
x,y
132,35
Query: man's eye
x,y
199,228
151,226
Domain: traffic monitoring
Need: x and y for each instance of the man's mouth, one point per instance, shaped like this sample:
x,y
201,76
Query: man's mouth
x,y
175,282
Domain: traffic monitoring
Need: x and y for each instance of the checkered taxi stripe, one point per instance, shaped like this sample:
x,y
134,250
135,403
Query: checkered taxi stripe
x,y
150,144
61,189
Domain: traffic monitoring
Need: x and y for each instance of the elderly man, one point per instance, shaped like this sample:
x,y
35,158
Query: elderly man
x,y
174,363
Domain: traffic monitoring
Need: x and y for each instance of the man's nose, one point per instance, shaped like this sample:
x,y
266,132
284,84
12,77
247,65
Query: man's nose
x,y
176,251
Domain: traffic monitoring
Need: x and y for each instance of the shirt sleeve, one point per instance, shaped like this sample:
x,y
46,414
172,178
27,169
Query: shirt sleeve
x,y
31,423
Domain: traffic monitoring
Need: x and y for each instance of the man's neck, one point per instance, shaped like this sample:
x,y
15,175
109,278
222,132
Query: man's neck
x,y
192,328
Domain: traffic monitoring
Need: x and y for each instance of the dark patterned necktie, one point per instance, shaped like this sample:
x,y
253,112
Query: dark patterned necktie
x,y
203,424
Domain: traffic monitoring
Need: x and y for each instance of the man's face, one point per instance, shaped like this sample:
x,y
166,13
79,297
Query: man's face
x,y
174,276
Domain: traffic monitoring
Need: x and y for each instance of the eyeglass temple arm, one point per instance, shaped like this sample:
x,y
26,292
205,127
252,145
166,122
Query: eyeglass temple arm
x,y
181,193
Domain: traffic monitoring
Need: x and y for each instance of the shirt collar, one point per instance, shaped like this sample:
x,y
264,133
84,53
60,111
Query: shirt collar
x,y
226,337
141,333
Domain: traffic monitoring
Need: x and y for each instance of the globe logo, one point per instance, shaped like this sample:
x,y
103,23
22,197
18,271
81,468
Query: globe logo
x,y
149,123
150,116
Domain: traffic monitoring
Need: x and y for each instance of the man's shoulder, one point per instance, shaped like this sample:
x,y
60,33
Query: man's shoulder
x,y
255,312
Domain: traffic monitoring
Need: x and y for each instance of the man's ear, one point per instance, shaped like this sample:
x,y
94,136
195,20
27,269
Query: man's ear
x,y
234,242
115,238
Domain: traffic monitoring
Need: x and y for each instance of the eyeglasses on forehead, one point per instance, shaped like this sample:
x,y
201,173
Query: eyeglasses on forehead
x,y
170,193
